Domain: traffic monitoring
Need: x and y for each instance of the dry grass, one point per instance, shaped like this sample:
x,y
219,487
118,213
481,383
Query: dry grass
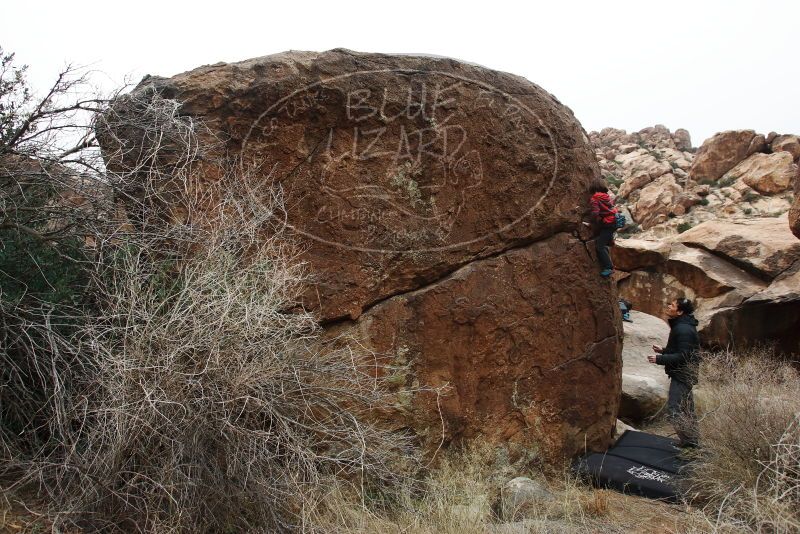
x,y
747,471
461,496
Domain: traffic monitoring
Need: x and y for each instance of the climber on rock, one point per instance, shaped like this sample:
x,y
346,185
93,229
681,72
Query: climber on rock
x,y
680,358
604,218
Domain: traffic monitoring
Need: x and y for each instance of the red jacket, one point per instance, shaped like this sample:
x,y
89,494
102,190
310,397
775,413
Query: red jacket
x,y
603,209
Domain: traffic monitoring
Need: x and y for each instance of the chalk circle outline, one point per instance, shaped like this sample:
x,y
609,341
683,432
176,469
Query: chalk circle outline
x,y
454,246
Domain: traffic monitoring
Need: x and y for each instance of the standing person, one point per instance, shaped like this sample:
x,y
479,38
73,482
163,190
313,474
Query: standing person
x,y
679,359
604,218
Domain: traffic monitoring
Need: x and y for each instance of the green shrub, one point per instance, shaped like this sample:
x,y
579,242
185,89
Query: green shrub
x,y
629,230
613,180
682,227
43,305
751,196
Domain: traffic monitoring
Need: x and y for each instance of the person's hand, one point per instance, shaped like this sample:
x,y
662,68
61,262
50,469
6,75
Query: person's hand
x,y
657,349
652,358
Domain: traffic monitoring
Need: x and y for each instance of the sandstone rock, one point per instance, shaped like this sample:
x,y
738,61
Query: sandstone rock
x,y
787,143
620,428
521,497
742,275
766,205
494,332
678,271
708,275
649,291
785,288
641,168
723,151
644,385
766,173
762,246
398,212
635,254
683,141
436,201
757,322
794,211
659,200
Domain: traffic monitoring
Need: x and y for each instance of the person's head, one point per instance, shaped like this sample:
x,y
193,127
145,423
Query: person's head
x,y
598,185
678,307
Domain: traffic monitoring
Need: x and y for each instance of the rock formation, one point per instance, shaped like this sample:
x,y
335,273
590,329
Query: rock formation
x,y
766,173
644,385
437,201
794,211
665,188
724,151
744,276
649,171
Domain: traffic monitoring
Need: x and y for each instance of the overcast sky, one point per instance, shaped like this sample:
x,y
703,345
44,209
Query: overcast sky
x,y
706,66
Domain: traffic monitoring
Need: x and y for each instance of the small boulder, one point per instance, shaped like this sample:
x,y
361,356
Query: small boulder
x,y
766,173
660,200
620,428
520,497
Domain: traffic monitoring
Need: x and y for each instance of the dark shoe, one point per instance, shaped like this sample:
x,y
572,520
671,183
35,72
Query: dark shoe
x,y
605,273
627,317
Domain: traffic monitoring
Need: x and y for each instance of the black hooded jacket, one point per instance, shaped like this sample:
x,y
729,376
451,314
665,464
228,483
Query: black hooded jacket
x,y
679,357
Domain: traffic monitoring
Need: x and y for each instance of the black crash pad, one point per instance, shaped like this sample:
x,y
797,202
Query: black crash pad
x,y
639,463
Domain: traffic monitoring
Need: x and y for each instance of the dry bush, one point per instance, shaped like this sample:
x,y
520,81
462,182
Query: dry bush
x,y
747,470
215,408
214,403
52,198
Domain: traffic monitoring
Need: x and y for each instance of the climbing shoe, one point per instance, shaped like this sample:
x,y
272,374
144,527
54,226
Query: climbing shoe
x,y
605,273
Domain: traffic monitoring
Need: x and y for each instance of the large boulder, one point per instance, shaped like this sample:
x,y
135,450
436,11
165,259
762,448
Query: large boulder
x,y
724,151
644,385
762,246
437,202
516,349
766,173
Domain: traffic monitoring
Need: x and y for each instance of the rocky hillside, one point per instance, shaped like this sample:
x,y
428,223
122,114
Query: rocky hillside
x,y
667,186
710,224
